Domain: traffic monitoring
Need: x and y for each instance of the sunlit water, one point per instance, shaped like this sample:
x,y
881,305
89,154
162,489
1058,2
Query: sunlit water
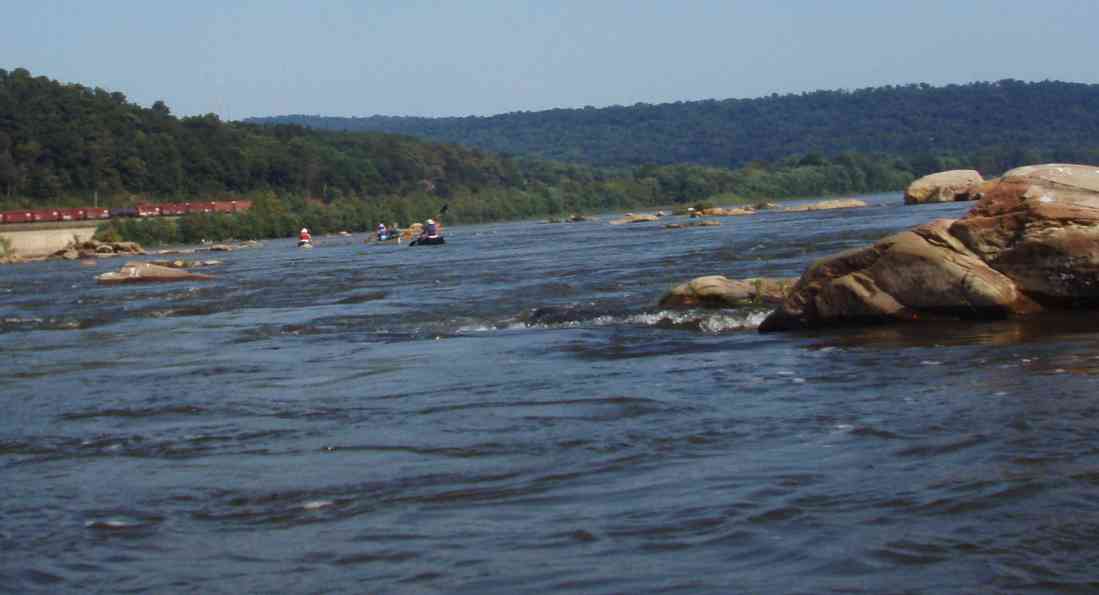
x,y
512,413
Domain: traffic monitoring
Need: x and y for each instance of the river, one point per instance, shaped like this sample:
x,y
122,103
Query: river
x,y
512,413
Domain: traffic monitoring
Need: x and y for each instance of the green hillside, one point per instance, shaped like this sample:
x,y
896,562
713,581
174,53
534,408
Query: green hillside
x,y
69,145
911,121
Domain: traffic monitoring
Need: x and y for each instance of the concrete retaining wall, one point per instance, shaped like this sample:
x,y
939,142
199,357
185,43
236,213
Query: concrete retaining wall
x,y
42,242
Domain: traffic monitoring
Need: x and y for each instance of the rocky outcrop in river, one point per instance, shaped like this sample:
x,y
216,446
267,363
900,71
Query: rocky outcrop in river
x,y
825,205
634,218
945,186
716,291
1031,243
96,248
144,272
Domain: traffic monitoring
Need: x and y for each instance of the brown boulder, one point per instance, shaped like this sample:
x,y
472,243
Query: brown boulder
x,y
945,186
716,291
1031,243
143,272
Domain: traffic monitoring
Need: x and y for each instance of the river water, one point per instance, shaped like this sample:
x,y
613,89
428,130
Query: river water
x,y
512,413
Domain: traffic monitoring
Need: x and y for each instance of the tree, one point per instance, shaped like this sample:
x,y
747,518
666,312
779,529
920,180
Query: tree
x,y
9,174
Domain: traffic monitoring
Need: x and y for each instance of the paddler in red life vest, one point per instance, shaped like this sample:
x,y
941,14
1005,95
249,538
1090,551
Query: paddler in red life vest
x,y
304,236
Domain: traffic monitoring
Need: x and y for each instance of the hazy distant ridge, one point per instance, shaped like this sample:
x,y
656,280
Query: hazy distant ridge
x,y
905,120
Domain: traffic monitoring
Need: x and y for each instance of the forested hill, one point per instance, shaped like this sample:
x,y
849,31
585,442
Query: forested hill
x,y
62,141
910,120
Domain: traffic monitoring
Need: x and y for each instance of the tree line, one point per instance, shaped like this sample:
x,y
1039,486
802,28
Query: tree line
x,y
69,145
905,120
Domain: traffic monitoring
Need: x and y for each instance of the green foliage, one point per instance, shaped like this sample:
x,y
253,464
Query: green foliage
x,y
108,232
68,145
909,120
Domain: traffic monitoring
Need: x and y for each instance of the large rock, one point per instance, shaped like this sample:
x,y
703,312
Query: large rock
x,y
945,186
1030,244
144,272
716,291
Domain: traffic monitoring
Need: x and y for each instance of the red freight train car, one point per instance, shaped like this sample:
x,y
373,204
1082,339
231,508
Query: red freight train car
x,y
16,216
77,214
173,208
46,215
147,210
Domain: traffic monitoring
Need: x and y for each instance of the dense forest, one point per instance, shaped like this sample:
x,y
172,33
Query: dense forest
x,y
912,121
69,145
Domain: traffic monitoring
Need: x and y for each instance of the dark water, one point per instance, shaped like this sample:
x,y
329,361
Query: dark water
x,y
511,413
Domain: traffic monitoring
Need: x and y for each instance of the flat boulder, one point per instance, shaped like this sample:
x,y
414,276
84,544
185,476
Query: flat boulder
x,y
1030,244
825,205
717,291
144,272
723,212
945,186
632,218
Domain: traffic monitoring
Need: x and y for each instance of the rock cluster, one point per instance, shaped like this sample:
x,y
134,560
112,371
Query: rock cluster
x,y
1031,243
836,203
95,248
945,186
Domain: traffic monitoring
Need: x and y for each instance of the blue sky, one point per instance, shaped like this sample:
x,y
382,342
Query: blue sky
x,y
241,58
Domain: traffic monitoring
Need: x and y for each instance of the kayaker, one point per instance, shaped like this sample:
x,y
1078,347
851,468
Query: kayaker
x,y
431,230
383,234
304,236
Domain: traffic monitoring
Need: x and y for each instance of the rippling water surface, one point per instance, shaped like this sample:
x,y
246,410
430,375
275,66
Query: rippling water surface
x,y
513,413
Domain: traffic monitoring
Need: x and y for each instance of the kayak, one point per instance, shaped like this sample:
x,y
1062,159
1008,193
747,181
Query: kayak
x,y
305,244
392,239
427,241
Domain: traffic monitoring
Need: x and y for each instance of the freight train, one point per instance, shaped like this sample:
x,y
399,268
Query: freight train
x,y
141,210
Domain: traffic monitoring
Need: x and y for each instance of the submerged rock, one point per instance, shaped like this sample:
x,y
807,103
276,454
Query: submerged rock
x,y
1031,243
717,291
945,186
144,272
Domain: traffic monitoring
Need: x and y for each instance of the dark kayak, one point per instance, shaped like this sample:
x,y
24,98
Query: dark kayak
x,y
427,241
390,239
305,244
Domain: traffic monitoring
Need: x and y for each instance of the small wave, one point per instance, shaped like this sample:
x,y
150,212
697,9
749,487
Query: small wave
x,y
135,412
122,521
43,324
362,298
708,322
